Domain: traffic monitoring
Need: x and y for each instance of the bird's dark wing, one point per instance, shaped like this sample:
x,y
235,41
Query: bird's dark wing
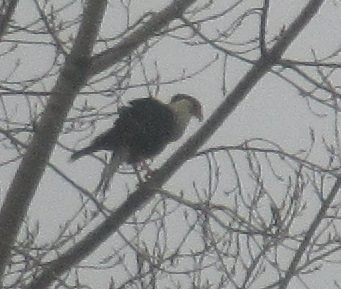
x,y
146,127
105,141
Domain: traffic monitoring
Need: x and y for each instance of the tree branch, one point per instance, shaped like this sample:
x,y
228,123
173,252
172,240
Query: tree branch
x,y
124,48
262,30
6,17
71,79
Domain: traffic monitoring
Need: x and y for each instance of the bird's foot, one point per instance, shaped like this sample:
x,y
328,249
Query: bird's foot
x,y
149,172
143,166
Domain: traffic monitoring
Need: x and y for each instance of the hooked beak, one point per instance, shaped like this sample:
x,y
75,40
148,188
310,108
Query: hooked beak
x,y
199,115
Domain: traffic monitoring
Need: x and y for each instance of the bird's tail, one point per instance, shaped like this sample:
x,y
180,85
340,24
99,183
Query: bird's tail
x,y
81,153
117,158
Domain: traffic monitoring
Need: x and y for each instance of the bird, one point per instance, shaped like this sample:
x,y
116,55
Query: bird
x,y
144,128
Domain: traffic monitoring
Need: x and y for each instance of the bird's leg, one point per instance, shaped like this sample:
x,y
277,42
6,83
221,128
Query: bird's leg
x,y
142,166
147,168
137,172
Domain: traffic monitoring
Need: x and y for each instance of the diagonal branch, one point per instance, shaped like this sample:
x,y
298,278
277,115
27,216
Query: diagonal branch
x,y
158,21
146,191
71,79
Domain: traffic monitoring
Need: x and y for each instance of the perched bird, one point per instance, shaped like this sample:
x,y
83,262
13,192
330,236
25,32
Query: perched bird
x,y
144,128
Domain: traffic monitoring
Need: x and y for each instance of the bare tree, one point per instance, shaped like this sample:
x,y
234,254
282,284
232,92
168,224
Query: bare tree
x,y
255,215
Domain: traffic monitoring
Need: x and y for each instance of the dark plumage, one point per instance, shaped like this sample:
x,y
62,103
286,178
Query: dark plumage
x,y
145,127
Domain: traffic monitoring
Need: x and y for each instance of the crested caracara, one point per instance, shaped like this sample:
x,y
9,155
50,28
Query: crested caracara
x,y
144,128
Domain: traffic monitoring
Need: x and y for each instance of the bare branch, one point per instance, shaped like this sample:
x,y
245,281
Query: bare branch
x,y
157,22
262,30
6,16
26,180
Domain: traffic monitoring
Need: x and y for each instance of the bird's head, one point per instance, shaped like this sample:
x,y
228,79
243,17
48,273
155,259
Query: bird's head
x,y
194,105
